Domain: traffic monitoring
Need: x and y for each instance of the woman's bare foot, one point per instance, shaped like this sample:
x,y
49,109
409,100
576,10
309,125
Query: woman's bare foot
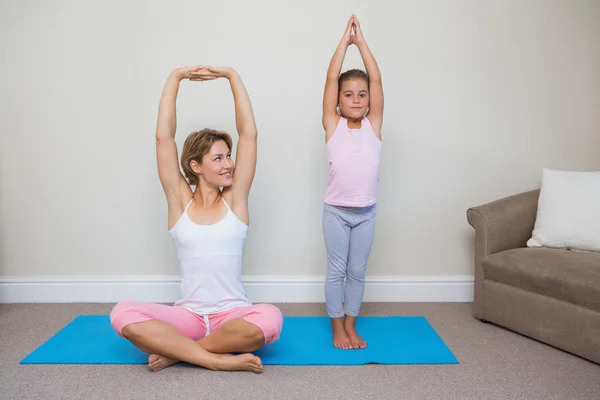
x,y
242,362
356,341
157,362
223,362
340,338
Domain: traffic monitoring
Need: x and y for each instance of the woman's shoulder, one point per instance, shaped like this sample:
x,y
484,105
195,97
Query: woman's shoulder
x,y
239,209
227,194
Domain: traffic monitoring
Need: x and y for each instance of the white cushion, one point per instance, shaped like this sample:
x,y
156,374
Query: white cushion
x,y
568,214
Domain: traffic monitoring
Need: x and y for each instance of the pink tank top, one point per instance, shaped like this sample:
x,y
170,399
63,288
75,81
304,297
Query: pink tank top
x,y
353,165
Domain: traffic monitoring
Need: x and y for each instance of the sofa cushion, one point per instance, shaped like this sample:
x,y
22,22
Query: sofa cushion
x,y
572,276
568,211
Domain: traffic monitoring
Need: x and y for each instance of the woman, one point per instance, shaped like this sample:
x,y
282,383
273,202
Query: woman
x,y
213,317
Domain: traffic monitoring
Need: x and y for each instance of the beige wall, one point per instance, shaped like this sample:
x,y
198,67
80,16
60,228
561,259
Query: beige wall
x,y
479,97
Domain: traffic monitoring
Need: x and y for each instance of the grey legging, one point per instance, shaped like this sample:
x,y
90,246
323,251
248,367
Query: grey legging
x,y
348,233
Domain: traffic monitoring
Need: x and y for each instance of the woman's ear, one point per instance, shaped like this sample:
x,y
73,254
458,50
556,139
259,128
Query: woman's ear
x,y
195,167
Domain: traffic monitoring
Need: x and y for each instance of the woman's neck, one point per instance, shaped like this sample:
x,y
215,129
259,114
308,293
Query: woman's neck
x,y
206,196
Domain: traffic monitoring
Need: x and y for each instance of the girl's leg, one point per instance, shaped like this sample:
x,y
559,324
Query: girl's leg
x,y
170,331
361,240
241,330
337,241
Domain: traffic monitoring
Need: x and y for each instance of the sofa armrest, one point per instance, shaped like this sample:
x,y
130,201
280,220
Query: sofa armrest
x,y
503,224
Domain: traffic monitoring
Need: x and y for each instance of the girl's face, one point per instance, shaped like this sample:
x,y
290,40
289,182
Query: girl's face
x,y
354,98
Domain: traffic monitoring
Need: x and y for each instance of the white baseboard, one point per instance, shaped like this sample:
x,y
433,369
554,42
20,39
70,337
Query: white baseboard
x,y
260,288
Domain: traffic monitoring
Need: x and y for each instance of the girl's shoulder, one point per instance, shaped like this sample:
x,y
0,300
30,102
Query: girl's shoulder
x,y
368,125
334,126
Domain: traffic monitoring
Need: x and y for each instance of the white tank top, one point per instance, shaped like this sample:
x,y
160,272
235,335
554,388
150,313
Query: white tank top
x,y
210,260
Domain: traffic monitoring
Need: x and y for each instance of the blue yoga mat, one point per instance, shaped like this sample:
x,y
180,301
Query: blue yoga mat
x,y
90,339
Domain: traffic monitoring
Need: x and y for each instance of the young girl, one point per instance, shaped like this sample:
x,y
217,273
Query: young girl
x,y
213,317
352,118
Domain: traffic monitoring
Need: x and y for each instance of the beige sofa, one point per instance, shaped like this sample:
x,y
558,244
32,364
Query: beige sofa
x,y
550,295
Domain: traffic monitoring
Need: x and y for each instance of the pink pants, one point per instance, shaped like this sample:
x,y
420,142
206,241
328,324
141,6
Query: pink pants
x,y
266,316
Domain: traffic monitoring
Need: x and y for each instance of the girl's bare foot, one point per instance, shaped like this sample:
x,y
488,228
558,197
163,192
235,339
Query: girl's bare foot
x,y
356,341
157,362
340,338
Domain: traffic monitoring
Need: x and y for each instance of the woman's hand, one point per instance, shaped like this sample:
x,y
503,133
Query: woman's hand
x,y
207,73
221,72
195,73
